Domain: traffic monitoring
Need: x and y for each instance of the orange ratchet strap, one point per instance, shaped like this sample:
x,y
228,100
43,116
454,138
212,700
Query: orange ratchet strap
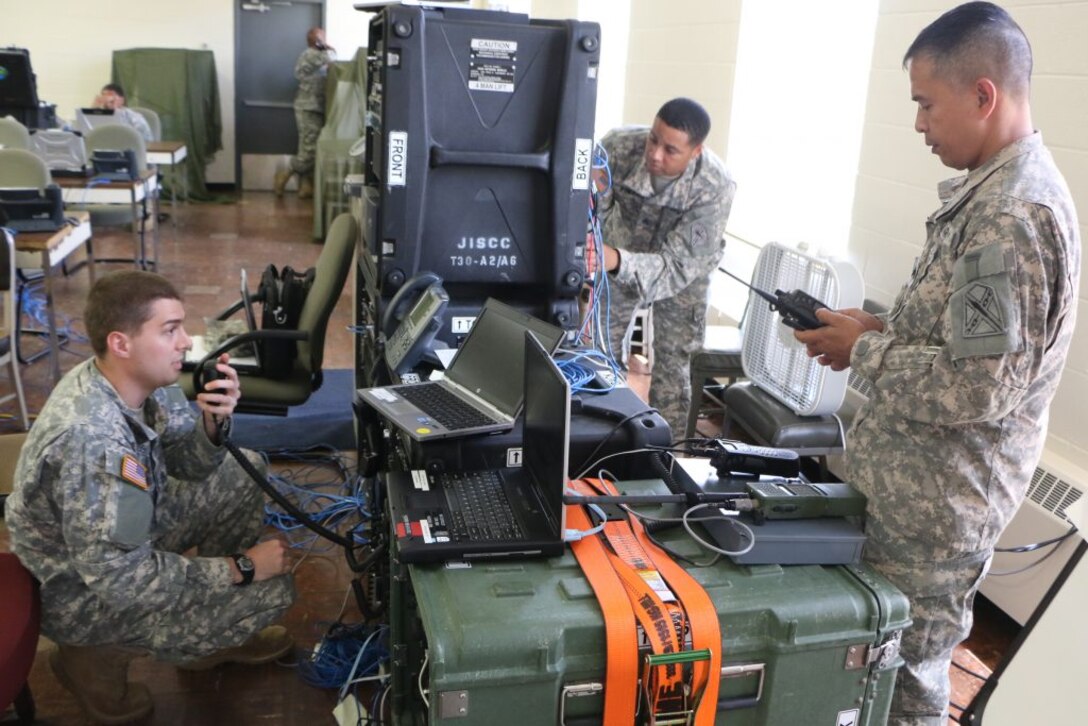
x,y
636,581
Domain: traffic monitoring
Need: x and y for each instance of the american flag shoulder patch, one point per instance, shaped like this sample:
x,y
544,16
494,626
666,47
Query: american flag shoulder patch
x,y
133,471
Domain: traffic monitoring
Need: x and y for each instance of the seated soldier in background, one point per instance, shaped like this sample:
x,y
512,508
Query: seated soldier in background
x,y
112,97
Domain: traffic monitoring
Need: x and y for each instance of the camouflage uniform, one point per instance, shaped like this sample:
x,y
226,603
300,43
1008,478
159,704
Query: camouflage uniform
x,y
670,243
310,70
963,374
99,523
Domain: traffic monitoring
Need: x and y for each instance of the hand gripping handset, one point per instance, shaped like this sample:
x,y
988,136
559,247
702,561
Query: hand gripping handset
x,y
797,308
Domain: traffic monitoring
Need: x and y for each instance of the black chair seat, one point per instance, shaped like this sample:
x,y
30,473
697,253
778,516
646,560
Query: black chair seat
x,y
771,423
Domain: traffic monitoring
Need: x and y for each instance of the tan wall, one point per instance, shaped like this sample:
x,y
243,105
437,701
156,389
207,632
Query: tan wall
x,y
683,48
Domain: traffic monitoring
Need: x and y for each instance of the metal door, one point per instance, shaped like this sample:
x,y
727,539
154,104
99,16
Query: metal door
x,y
270,35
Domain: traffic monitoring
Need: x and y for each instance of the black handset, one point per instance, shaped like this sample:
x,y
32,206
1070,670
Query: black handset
x,y
210,373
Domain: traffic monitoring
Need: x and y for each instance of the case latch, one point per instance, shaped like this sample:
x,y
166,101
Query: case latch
x,y
880,656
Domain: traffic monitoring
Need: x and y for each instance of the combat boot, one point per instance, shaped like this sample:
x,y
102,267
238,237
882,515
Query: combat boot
x,y
98,677
279,184
266,646
306,187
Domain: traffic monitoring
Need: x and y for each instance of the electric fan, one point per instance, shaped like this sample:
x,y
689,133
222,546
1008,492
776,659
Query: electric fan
x,y
770,355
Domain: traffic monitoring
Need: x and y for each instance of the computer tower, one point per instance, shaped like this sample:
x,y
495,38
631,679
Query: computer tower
x,y
478,157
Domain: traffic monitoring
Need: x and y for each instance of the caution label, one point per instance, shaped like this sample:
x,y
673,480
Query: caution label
x,y
492,65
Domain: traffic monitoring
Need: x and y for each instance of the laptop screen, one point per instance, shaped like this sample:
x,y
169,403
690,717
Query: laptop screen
x,y
546,430
490,362
91,118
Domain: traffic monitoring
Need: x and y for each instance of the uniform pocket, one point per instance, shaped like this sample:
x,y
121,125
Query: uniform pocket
x,y
134,508
983,307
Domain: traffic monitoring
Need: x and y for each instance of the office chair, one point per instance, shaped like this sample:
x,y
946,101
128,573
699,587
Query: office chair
x,y
27,170
21,605
120,137
152,119
275,396
9,336
13,135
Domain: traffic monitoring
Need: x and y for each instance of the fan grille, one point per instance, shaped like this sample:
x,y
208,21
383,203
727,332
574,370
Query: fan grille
x,y
772,357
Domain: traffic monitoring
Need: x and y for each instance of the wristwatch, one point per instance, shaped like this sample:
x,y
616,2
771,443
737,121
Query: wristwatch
x,y
245,566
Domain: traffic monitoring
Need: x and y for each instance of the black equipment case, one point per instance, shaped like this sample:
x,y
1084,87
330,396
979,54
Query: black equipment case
x,y
478,156
523,642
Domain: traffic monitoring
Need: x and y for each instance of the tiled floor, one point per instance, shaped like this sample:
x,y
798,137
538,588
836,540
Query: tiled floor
x,y
212,243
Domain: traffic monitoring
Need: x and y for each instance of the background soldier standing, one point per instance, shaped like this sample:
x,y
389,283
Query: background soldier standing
x,y
663,223
310,69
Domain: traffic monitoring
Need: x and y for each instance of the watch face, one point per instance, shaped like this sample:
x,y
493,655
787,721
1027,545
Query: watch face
x,y
245,564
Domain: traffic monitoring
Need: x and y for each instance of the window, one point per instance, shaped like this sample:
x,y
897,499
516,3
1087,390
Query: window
x,y
795,132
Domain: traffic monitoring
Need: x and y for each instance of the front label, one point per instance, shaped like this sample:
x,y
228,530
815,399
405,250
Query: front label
x,y
513,457
397,159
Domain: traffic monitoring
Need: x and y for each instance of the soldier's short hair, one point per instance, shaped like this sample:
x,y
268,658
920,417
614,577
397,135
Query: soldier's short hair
x,y
121,302
688,116
975,40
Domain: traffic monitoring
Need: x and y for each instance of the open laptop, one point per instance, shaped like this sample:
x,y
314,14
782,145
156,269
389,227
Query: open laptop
x,y
498,513
482,390
242,364
92,118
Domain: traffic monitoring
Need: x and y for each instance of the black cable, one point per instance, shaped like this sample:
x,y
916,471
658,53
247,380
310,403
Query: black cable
x,y
657,461
600,445
1038,545
970,672
303,518
288,506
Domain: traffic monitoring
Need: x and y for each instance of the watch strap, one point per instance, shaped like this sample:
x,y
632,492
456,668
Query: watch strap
x,y
245,566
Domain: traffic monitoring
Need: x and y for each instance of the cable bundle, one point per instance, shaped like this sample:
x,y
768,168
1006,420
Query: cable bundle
x,y
346,656
332,503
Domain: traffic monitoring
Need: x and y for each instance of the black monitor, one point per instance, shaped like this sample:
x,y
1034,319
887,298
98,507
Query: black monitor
x,y
18,87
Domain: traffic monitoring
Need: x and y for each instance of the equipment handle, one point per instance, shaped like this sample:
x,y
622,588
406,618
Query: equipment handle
x,y
448,157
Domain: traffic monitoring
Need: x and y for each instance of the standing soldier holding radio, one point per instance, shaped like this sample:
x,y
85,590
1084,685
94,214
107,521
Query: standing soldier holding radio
x,y
311,68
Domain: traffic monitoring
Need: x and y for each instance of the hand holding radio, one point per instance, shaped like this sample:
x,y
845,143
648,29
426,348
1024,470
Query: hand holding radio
x,y
832,343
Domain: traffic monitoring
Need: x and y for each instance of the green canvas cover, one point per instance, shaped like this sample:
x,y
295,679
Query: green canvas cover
x,y
181,86
345,102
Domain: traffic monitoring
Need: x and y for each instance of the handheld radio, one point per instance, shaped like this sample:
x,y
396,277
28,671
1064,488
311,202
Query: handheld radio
x,y
797,308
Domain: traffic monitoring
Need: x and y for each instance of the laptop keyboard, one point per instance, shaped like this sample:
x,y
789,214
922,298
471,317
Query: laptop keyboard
x,y
443,406
479,509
